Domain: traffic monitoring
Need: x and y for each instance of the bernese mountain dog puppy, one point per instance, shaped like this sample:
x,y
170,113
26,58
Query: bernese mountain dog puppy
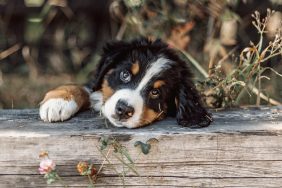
x,y
135,84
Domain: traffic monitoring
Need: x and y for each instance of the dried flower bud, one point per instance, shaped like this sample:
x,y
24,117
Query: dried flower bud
x,y
82,168
93,170
43,154
46,166
85,169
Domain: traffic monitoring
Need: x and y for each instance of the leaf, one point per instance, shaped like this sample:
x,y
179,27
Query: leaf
x,y
51,177
145,147
50,180
104,143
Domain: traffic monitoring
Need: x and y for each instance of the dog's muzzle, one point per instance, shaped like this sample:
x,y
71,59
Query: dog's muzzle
x,y
123,110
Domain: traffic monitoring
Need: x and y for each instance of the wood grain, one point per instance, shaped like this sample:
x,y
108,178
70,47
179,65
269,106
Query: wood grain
x,y
242,148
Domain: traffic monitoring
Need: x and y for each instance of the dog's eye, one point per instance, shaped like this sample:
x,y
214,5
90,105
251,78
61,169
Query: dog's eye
x,y
125,76
155,93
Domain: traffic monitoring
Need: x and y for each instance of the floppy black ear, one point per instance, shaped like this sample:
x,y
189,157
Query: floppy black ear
x,y
109,59
190,111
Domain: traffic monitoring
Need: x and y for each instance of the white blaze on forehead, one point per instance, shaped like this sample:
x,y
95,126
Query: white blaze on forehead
x,y
154,69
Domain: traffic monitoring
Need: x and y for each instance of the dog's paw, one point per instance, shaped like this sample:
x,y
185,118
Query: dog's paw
x,y
57,109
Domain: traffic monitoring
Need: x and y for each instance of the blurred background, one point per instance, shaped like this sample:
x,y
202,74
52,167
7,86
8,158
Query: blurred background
x,y
47,43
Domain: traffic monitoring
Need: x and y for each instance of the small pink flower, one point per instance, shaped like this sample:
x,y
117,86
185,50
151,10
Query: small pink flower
x,y
46,166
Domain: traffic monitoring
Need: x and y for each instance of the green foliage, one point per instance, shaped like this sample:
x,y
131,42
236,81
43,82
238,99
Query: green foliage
x,y
109,147
249,71
145,148
51,177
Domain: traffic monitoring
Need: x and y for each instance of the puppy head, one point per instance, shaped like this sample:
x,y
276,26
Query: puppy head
x,y
144,81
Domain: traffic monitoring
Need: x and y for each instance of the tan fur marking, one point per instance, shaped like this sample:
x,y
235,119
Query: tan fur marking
x,y
135,68
149,115
158,84
107,91
69,92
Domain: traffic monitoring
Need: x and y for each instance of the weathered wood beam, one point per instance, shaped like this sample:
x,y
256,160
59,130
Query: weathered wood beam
x,y
242,148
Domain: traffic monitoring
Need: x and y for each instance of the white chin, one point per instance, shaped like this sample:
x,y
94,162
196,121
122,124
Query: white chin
x,y
115,123
121,124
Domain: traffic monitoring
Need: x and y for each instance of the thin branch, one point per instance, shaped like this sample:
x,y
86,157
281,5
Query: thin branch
x,y
128,165
122,29
262,96
101,167
9,51
109,162
256,92
226,56
271,69
195,63
272,55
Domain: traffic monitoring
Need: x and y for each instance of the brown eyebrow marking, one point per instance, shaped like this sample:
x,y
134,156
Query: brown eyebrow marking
x,y
107,91
158,83
135,68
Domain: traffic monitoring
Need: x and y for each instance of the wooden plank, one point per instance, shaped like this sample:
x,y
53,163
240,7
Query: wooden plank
x,y
27,123
174,148
242,148
161,181
221,169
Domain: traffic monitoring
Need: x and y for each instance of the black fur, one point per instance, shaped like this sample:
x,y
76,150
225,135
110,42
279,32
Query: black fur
x,y
179,87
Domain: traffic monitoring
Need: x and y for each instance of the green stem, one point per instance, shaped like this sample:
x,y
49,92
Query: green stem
x,y
123,172
90,180
102,165
61,180
195,63
110,164
271,56
259,86
129,166
260,42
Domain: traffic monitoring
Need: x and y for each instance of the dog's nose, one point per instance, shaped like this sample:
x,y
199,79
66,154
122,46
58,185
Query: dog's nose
x,y
123,110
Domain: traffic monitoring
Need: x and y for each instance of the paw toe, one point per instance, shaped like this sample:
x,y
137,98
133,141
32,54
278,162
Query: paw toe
x,y
57,110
